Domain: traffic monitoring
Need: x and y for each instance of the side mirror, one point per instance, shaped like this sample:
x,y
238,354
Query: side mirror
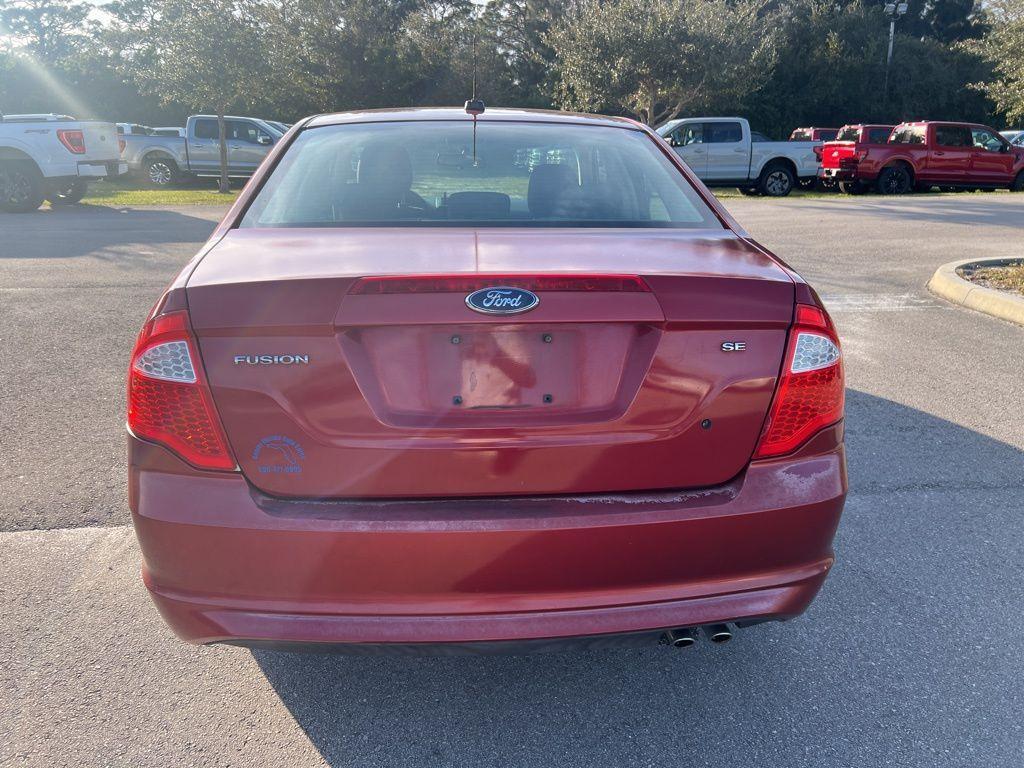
x,y
673,141
264,140
1004,148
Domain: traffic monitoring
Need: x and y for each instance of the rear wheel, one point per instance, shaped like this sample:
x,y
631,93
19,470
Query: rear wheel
x,y
808,184
161,171
894,180
852,187
1018,183
67,193
777,181
21,186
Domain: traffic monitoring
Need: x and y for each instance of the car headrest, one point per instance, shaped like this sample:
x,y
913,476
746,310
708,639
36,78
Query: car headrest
x,y
548,186
481,206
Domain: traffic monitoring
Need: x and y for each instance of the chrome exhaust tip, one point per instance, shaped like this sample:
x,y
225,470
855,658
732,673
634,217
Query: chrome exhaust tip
x,y
718,633
681,638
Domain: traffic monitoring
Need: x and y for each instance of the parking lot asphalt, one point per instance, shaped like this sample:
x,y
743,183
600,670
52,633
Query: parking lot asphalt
x,y
911,656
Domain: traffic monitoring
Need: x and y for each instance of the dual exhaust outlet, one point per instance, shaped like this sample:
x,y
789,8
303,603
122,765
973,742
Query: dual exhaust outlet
x,y
687,636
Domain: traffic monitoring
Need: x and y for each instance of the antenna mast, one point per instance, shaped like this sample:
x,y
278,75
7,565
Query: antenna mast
x,y
474,106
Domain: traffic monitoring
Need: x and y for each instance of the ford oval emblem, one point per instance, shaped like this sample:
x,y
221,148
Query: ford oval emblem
x,y
501,300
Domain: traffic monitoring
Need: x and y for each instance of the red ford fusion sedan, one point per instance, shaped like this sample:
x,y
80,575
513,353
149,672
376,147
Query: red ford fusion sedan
x,y
513,380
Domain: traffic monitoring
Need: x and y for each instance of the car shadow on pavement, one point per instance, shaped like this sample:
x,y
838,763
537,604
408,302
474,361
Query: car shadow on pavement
x,y
96,230
911,655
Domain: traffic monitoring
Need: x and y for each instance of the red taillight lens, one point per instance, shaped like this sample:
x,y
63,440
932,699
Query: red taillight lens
x,y
469,283
169,401
121,144
73,140
811,392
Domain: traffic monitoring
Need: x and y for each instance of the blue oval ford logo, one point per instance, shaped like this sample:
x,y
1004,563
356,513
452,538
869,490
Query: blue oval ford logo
x,y
501,300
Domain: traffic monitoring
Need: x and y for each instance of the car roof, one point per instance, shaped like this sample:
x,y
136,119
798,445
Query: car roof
x,y
944,122
492,114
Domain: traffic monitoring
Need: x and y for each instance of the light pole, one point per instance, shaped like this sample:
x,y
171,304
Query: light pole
x,y
893,11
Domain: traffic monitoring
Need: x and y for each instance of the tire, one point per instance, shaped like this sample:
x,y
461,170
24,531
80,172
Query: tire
x,y
807,184
749,191
21,186
777,180
852,187
161,172
67,193
1018,183
895,180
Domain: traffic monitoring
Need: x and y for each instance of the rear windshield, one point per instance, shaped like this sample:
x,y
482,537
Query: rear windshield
x,y
879,135
800,136
848,134
522,174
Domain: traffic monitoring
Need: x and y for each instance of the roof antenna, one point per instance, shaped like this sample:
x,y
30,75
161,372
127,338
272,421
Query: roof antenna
x,y
474,106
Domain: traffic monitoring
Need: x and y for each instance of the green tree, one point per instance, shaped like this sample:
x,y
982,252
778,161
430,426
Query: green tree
x,y
656,58
206,55
1003,48
516,31
47,30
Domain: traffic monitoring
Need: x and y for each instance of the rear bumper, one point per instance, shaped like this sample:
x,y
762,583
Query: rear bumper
x,y
98,169
837,174
225,564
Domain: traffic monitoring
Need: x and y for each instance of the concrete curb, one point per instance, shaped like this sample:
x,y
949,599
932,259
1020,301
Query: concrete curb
x,y
947,283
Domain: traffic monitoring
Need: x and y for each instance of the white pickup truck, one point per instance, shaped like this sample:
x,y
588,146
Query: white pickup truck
x,y
723,152
53,157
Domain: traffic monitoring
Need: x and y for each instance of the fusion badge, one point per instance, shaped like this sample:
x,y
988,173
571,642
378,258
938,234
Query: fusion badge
x,y
502,300
271,359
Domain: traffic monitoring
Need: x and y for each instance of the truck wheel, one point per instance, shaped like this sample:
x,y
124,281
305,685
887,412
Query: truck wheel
x,y
808,184
161,172
21,186
894,180
749,191
852,188
1018,183
776,181
67,193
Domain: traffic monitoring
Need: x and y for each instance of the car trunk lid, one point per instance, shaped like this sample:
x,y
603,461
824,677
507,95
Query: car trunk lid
x,y
330,385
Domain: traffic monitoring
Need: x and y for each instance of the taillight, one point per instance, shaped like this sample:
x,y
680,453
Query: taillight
x,y
121,144
387,284
73,140
169,401
810,393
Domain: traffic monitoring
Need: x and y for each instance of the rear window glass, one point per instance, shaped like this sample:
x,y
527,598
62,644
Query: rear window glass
x,y
849,134
828,134
800,136
723,133
953,136
523,174
879,135
908,135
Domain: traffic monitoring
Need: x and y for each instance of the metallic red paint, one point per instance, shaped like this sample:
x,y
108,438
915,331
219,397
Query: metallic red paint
x,y
414,521
929,163
227,563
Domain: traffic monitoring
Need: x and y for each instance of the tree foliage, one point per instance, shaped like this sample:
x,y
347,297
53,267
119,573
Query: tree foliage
x,y
656,58
781,62
1003,48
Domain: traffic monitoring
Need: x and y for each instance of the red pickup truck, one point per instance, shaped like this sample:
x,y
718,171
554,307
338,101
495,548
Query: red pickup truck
x,y
853,144
926,154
